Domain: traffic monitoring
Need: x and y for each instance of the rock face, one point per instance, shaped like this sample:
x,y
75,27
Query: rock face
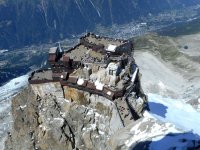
x,y
43,119
25,22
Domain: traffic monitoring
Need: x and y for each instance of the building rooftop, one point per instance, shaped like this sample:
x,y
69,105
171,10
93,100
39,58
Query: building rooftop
x,y
98,61
43,75
82,53
98,40
52,50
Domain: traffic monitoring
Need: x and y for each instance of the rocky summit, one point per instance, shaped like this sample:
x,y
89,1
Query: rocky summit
x,y
87,94
46,118
138,90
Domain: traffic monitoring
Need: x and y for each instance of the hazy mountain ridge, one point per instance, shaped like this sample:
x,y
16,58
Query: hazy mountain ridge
x,y
25,22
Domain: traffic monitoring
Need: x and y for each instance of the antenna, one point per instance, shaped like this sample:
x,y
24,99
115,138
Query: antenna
x,y
60,49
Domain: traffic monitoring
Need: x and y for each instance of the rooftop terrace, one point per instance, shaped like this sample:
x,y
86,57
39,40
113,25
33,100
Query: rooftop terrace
x,y
98,40
43,75
82,53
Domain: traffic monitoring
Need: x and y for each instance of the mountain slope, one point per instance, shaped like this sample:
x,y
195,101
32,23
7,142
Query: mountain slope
x,y
170,122
25,22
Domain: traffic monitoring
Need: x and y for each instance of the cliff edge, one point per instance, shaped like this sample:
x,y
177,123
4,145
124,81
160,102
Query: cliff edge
x,y
43,119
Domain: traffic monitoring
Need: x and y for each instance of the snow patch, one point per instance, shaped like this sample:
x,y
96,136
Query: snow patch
x,y
142,135
66,100
13,87
90,112
59,121
175,111
92,127
42,127
22,107
161,85
3,51
101,132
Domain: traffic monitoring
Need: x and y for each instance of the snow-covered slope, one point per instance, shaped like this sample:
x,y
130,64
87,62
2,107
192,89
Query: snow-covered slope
x,y
149,133
12,87
173,89
157,77
7,91
170,124
183,115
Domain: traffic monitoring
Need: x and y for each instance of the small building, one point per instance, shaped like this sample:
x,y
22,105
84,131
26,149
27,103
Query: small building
x,y
112,68
58,61
52,54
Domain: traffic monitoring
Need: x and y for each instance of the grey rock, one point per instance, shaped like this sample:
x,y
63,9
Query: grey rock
x,y
51,122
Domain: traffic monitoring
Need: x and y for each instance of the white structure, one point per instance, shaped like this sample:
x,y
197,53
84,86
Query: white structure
x,y
112,69
134,75
111,72
87,71
111,48
80,81
99,85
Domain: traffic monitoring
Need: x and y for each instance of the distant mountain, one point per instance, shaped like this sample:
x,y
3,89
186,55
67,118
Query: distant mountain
x,y
24,22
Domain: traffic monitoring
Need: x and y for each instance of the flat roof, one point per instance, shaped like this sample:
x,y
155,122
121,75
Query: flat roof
x,y
52,50
81,53
43,75
103,40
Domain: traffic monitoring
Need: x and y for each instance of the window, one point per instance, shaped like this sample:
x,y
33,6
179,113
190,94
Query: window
x,y
110,72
